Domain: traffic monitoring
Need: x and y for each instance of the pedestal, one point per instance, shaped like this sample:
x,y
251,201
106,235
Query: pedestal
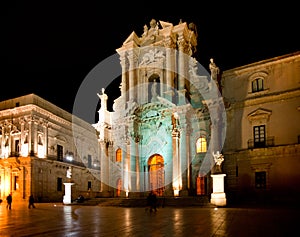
x,y
68,193
218,197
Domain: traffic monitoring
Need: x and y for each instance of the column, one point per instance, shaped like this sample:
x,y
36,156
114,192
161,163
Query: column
x,y
137,165
181,70
170,69
132,70
176,163
104,170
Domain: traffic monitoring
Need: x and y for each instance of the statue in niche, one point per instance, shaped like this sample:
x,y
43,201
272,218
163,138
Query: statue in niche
x,y
154,91
218,158
214,71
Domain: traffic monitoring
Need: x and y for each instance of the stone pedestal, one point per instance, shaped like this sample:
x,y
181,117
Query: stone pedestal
x,y
68,193
218,197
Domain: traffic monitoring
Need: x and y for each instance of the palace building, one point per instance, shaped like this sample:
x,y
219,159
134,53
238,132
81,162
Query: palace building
x,y
37,148
170,119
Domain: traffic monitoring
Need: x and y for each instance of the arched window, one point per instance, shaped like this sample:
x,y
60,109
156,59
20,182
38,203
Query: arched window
x,y
257,85
119,155
201,145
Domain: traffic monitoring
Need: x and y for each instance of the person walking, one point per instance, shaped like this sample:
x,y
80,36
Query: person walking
x,y
9,201
31,202
152,202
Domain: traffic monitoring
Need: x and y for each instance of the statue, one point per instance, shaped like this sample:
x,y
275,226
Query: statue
x,y
218,158
145,31
69,172
175,120
103,99
214,71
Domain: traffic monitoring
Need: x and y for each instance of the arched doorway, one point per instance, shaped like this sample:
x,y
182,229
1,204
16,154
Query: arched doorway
x,y
156,174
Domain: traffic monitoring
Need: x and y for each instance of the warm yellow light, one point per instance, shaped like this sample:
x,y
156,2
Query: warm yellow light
x,y
176,192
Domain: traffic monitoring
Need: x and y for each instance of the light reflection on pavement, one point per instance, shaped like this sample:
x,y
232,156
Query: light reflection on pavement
x,y
49,219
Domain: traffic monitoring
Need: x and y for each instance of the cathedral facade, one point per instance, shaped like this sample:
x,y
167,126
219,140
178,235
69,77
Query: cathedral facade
x,y
167,121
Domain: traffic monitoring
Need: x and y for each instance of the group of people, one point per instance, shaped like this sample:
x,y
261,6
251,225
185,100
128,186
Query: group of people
x,y
9,201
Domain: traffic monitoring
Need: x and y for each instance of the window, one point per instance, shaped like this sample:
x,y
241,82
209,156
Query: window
x,y
89,161
259,136
260,180
257,85
89,185
40,140
119,155
16,183
59,184
201,145
59,153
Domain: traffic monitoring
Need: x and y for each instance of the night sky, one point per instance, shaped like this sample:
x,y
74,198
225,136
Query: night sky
x,y
50,46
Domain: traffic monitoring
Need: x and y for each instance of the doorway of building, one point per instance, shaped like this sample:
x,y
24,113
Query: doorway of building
x,y
156,174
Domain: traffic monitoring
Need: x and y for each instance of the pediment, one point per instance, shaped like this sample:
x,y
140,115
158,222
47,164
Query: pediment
x,y
259,114
165,24
132,38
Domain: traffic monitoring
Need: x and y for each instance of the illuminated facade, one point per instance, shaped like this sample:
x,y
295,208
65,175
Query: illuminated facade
x,y
262,150
166,122
37,147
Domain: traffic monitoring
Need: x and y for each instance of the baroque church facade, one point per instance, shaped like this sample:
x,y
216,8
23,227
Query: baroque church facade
x,y
167,122
170,120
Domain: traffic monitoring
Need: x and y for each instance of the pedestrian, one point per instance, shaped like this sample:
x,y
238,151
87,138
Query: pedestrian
x,y
152,202
9,201
31,202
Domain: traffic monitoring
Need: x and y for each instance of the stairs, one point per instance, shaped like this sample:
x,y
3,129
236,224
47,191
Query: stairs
x,y
142,202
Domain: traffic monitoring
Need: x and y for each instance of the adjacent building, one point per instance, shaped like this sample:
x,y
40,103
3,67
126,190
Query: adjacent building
x,y
262,147
37,148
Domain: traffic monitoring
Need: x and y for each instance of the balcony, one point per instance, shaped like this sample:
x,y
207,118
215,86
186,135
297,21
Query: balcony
x,y
269,142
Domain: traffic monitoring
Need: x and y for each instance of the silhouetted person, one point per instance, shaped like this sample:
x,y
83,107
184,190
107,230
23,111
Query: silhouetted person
x,y
9,201
152,201
31,202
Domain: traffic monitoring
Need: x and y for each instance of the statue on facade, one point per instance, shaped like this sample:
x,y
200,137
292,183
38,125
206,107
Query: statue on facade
x,y
214,71
175,120
218,158
103,99
69,172
154,91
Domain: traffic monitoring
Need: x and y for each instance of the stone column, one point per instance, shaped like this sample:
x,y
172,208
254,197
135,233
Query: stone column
x,y
104,170
177,182
181,70
124,68
137,165
170,70
45,125
132,74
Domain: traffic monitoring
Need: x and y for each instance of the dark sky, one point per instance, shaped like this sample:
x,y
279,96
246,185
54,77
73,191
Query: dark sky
x,y
50,46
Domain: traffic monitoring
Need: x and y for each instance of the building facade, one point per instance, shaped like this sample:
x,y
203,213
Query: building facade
x,y
262,150
167,122
37,148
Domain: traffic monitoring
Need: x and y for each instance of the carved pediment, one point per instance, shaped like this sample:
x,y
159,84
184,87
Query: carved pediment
x,y
132,38
259,114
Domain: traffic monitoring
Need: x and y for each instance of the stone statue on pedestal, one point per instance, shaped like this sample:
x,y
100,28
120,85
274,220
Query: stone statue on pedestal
x,y
218,158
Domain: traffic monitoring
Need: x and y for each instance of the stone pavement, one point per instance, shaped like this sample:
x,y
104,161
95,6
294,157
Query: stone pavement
x,y
50,219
